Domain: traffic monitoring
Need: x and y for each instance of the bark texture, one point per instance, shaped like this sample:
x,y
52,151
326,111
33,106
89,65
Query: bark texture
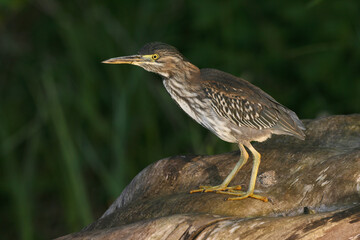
x,y
313,188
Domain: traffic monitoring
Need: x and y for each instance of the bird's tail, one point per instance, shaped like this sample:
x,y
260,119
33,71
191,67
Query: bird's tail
x,y
290,124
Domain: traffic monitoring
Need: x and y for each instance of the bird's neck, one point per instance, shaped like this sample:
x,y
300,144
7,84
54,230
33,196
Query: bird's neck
x,y
185,74
183,85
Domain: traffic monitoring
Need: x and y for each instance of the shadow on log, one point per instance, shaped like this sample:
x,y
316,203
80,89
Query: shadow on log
x,y
313,188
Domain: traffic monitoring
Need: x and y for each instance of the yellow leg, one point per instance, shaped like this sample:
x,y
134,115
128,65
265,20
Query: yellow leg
x,y
234,191
224,185
250,191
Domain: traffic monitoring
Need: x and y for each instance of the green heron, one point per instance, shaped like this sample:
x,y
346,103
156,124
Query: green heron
x,y
233,109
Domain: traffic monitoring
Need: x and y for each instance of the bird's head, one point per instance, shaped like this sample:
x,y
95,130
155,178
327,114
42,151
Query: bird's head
x,y
157,57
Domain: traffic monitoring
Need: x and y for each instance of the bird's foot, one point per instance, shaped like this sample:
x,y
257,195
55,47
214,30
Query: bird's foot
x,y
234,191
239,195
216,189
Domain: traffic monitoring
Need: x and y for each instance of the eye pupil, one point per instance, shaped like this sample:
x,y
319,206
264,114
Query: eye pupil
x,y
155,56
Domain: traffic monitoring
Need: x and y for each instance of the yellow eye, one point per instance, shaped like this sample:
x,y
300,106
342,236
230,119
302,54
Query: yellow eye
x,y
155,56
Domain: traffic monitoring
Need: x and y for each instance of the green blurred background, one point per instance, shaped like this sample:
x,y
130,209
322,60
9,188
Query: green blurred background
x,y
74,132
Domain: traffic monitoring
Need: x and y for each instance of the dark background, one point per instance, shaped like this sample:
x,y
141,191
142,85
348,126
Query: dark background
x,y
74,131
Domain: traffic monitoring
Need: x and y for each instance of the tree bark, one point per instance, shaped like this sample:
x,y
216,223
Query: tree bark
x,y
313,188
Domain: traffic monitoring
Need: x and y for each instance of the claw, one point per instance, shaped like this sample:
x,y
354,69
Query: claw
x,y
235,191
216,189
243,195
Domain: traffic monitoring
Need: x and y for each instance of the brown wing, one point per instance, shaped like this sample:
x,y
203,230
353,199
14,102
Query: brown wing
x,y
239,110
247,105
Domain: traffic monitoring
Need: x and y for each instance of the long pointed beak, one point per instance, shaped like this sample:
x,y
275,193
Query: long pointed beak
x,y
133,59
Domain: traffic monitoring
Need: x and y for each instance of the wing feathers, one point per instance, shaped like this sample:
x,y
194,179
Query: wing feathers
x,y
241,111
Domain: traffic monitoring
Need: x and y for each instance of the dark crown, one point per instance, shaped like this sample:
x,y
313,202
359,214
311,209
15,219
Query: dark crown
x,y
153,47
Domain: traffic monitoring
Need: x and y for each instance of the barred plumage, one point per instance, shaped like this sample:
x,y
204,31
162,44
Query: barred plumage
x,y
230,107
247,105
240,111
